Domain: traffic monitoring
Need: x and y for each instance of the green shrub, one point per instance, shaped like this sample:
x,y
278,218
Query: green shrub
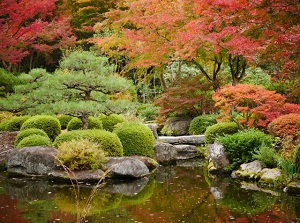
x,y
297,156
64,120
199,124
14,123
74,124
110,121
219,129
34,140
80,154
136,138
107,141
147,112
47,123
27,132
267,155
4,115
94,123
240,146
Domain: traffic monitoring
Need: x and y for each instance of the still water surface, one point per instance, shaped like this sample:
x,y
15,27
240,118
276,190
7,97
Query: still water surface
x,y
172,194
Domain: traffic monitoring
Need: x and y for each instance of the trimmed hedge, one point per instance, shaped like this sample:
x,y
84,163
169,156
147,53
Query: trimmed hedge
x,y
14,123
199,124
74,124
34,140
27,132
47,123
64,120
94,123
107,141
219,129
136,138
110,121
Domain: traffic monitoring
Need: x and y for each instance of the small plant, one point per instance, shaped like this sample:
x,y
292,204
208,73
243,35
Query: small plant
x,y
297,157
64,120
147,112
47,123
136,138
240,146
219,129
34,140
27,132
199,124
267,155
110,121
80,154
74,124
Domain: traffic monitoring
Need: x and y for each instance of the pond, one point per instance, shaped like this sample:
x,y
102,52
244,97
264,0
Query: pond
x,y
172,194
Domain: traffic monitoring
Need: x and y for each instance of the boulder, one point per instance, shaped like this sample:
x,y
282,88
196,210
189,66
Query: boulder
x,y
217,158
186,152
126,167
83,175
177,140
165,153
270,176
248,170
293,188
177,126
153,128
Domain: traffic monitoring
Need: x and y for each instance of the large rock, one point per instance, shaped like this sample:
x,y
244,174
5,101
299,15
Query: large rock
x,y
270,176
186,152
177,140
293,188
165,153
36,160
153,128
177,126
83,175
126,167
248,170
217,158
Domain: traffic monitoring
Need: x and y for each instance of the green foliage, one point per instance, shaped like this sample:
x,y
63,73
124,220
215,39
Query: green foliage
x,y
94,123
147,112
80,154
47,123
256,76
7,82
267,155
240,146
14,123
34,140
199,124
5,116
136,138
219,129
74,124
110,121
107,141
27,132
297,156
64,120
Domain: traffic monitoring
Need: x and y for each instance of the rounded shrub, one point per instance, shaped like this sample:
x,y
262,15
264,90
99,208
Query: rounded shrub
x,y
64,120
34,140
47,123
14,123
219,129
110,121
94,123
107,141
27,132
80,154
74,124
136,138
239,147
199,124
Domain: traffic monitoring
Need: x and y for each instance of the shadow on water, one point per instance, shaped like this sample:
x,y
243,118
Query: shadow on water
x,y
172,194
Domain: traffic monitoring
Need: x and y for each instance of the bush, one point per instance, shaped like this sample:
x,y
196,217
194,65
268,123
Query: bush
x,y
267,155
285,125
47,123
34,140
94,123
74,124
64,120
80,154
297,157
147,112
240,146
107,141
136,138
14,123
110,121
25,133
199,124
5,116
219,129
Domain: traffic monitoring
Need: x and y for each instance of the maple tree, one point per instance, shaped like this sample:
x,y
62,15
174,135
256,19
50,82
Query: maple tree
x,y
30,25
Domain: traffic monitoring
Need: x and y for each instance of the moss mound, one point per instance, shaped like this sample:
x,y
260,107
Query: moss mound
x,y
27,132
34,140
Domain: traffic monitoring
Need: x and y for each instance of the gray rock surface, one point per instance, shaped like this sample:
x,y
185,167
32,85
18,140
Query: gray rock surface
x,y
153,128
165,153
269,176
177,125
83,175
186,152
217,158
188,139
249,170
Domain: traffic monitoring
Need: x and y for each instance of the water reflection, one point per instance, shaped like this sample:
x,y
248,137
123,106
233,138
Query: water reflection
x,y
172,194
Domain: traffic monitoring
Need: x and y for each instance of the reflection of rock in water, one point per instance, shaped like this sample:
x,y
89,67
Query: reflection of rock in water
x,y
127,188
218,187
195,162
24,189
164,173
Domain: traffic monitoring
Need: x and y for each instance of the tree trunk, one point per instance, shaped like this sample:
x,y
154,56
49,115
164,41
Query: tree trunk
x,y
84,119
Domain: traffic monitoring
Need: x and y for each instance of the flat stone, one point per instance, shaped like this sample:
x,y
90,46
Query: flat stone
x,y
83,175
186,152
190,139
269,176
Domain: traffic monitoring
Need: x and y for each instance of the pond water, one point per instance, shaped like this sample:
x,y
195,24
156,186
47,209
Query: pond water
x,y
172,194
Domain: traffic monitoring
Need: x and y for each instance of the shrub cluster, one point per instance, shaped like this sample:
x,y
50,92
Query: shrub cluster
x,y
48,123
199,124
14,123
80,154
147,112
34,140
136,138
27,132
74,124
240,146
110,121
94,123
107,141
219,129
64,120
